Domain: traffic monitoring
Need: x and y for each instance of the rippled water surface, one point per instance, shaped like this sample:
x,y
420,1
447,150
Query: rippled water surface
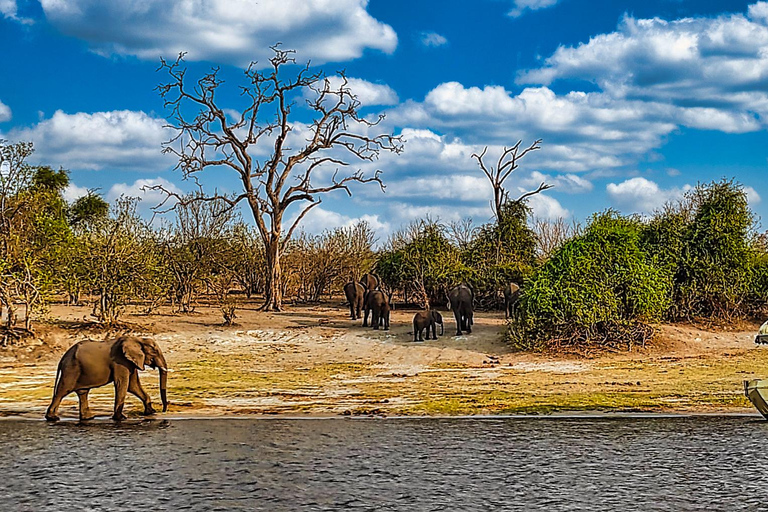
x,y
651,463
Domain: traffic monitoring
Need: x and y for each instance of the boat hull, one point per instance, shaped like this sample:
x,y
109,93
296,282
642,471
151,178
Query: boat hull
x,y
757,392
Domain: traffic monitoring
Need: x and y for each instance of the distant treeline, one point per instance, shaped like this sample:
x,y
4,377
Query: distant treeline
x,y
601,284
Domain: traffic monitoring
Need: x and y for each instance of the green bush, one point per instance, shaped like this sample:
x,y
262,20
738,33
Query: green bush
x,y
598,288
501,252
705,242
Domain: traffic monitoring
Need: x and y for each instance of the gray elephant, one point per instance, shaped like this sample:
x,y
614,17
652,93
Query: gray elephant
x,y
369,281
427,319
461,300
377,303
511,296
91,364
355,293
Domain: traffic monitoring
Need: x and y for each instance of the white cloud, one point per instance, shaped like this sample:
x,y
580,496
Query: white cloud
x,y
5,112
120,139
640,195
320,219
8,8
759,12
368,93
752,196
713,71
432,39
522,5
404,213
568,183
232,31
148,199
581,131
547,207
463,187
73,192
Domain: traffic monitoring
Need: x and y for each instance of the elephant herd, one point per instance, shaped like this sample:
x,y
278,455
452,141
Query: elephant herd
x,y
90,364
365,296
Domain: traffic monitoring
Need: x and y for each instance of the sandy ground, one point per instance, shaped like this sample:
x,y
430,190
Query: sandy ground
x,y
313,360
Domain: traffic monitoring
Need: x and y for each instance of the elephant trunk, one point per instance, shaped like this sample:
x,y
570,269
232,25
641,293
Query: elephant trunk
x,y
163,388
163,370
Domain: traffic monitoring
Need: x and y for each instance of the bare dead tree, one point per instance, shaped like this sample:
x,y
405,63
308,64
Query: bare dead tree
x,y
273,183
506,165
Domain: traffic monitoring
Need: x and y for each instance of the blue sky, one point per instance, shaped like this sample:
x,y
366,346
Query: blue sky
x,y
635,101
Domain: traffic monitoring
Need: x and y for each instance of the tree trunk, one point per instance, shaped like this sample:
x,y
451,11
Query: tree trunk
x,y
274,295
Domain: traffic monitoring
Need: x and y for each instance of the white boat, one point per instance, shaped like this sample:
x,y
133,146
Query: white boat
x,y
762,334
757,392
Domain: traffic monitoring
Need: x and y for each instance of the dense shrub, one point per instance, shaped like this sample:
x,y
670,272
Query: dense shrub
x,y
501,252
421,262
705,241
600,287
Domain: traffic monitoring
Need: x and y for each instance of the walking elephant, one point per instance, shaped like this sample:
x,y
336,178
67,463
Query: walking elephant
x,y
91,364
511,296
427,319
355,293
460,300
377,303
369,281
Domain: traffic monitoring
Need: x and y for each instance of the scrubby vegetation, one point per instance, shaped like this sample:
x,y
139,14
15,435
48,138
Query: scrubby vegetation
x,y
603,285
698,259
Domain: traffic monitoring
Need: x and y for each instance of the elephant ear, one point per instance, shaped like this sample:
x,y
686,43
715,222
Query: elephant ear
x,y
133,352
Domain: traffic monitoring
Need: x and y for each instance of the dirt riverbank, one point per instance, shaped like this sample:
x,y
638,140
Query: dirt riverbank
x,y
312,360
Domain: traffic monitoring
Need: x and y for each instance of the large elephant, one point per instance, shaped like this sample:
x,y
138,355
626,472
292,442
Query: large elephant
x,y
91,364
355,293
376,302
460,300
511,296
427,319
370,282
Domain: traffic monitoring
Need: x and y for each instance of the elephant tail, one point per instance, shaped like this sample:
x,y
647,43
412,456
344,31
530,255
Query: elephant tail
x,y
58,379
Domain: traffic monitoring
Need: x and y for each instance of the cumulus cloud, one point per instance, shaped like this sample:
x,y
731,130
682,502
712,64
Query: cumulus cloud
x,y
232,31
140,189
520,6
640,195
432,39
582,131
5,112
547,207
8,8
462,187
368,93
120,139
752,196
568,183
713,70
73,192
320,219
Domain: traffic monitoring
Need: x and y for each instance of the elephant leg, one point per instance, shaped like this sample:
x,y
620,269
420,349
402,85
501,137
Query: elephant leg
x,y
386,321
53,409
66,384
457,316
470,321
121,387
134,387
352,309
365,318
434,330
416,332
85,410
375,320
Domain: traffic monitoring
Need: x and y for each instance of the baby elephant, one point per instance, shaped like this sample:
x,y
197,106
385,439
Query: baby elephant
x,y
91,364
427,320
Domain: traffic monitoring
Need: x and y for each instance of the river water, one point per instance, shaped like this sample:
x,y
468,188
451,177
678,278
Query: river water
x,y
631,463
